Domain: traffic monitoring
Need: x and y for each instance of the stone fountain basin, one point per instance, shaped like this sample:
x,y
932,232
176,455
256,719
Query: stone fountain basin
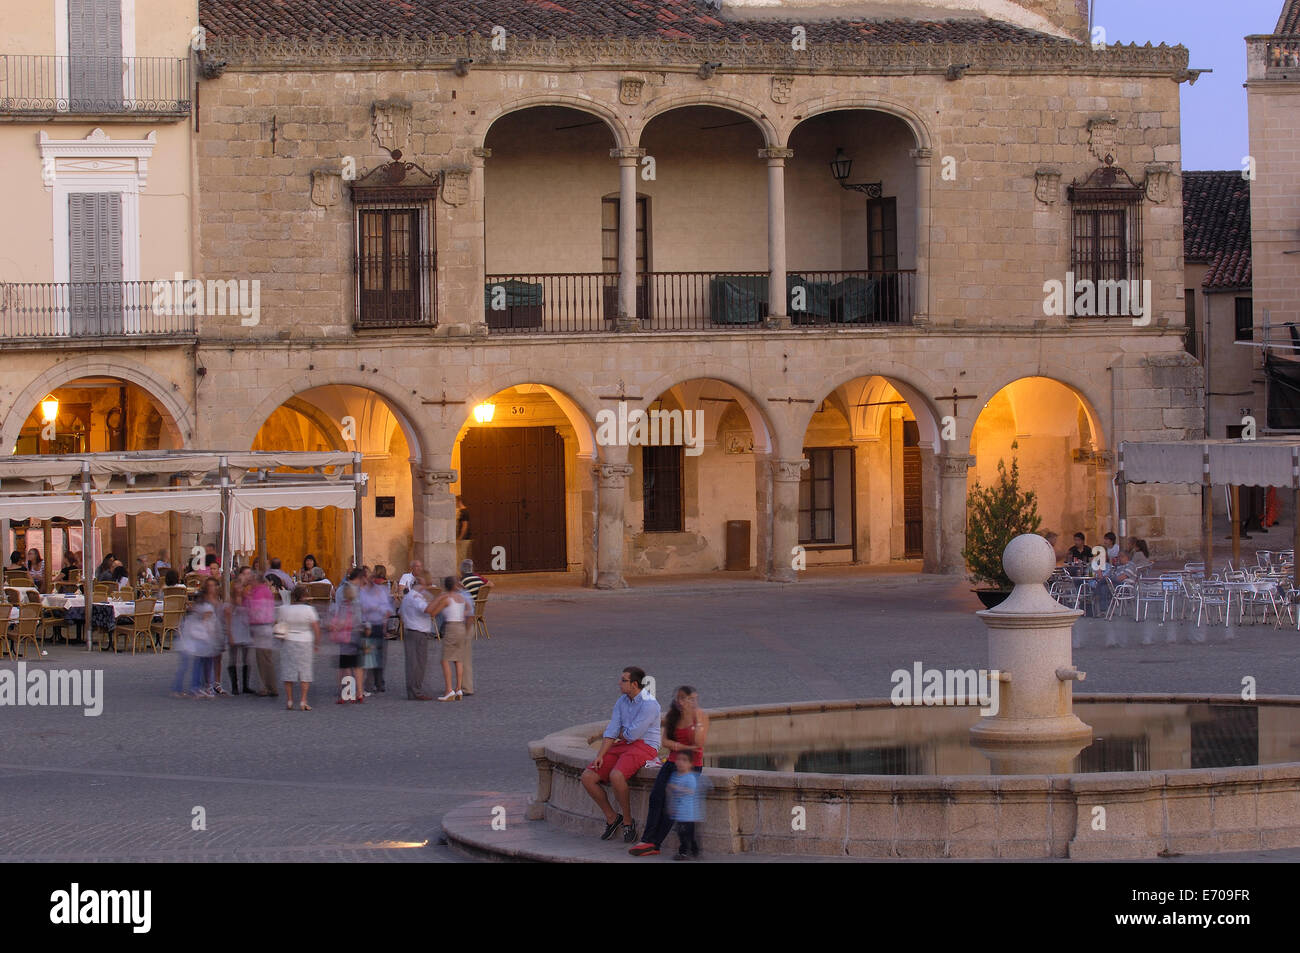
x,y
957,811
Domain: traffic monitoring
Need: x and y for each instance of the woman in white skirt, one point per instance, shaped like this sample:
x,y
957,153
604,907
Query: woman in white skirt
x,y
298,628
455,637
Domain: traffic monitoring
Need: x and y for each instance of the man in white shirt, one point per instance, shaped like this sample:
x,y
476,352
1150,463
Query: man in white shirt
x,y
412,576
417,629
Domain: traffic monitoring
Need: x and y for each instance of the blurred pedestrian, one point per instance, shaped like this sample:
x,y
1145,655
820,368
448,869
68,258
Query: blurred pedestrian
x,y
685,728
241,635
417,629
260,601
298,628
686,805
346,633
376,609
455,608
211,637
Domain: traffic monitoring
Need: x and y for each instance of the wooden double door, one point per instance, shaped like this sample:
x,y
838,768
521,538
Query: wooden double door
x,y
512,483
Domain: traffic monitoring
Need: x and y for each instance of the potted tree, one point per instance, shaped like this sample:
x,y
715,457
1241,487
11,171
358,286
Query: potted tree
x,y
997,514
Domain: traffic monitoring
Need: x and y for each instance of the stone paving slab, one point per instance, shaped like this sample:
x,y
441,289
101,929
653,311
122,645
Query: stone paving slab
x,y
123,785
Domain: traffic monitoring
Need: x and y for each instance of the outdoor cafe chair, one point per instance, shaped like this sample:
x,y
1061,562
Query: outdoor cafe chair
x,y
142,624
1120,596
13,596
1149,591
1209,595
21,580
28,629
480,606
169,626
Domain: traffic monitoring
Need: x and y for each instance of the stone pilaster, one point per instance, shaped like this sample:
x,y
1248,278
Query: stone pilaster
x,y
952,510
921,293
434,532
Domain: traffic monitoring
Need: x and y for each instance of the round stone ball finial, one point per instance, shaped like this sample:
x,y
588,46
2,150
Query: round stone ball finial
x,y
1028,559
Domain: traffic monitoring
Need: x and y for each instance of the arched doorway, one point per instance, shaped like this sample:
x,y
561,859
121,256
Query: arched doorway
x,y
98,414
525,497
868,494
343,417
1052,434
698,480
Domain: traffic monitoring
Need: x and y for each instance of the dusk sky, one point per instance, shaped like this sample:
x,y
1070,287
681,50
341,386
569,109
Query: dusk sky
x,y
1214,31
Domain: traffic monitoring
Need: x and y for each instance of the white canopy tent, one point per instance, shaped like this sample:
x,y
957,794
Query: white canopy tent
x,y
234,485
1266,461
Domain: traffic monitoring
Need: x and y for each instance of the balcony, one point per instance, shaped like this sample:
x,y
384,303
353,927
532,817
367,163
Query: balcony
x,y
87,310
696,301
1273,57
53,87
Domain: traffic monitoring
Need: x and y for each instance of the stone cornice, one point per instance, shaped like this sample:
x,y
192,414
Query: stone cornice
x,y
621,53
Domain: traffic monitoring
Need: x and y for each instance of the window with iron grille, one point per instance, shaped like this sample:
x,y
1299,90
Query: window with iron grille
x,y
396,261
817,498
661,482
1189,320
1106,227
1245,315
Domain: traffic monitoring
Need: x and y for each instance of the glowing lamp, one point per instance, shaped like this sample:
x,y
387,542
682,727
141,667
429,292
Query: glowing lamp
x,y
50,408
483,413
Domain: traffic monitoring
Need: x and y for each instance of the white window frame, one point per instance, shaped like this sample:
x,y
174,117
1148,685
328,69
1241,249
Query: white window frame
x,y
96,164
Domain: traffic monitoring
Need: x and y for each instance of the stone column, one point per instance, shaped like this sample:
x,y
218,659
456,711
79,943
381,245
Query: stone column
x,y
628,161
434,532
952,510
785,517
921,291
611,492
777,301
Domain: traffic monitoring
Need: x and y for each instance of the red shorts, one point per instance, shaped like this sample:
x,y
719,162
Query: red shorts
x,y
625,757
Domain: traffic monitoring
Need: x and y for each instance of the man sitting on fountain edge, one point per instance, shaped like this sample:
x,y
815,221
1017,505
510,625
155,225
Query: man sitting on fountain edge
x,y
630,740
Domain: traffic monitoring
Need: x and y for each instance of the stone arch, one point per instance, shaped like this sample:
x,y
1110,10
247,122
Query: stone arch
x,y
378,383
901,378
577,402
765,431
707,97
825,104
1099,431
164,392
587,104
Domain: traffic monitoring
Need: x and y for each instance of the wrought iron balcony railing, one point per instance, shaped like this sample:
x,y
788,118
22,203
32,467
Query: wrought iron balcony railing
x,y
695,300
43,86
91,309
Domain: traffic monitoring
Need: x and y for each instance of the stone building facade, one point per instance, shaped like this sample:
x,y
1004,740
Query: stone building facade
x,y
647,208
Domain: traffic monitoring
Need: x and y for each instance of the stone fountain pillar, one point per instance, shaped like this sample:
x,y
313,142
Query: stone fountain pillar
x,y
1034,729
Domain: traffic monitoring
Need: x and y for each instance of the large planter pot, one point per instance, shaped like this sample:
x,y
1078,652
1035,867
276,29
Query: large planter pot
x,y
991,597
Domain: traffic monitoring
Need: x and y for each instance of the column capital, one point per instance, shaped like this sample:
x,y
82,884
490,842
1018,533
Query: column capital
x,y
922,156
626,153
612,475
482,152
789,471
954,465
775,152
430,480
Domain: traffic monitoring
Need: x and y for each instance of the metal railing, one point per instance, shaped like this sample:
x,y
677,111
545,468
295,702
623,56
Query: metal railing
x,y
695,300
90,309
94,85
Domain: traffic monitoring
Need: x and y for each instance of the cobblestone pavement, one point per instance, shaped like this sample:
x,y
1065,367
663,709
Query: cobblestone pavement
x,y
371,782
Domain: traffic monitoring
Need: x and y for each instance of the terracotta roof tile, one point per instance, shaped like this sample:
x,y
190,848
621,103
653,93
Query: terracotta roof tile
x,y
1216,226
1289,21
681,19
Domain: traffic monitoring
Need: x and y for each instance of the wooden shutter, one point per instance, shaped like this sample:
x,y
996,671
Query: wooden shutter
x,y
95,55
95,250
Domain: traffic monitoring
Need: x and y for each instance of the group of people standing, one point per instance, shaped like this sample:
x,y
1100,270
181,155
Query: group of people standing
x,y
363,615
